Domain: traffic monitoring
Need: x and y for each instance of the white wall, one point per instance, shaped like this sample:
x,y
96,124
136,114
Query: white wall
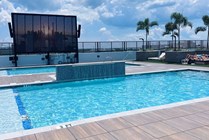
x,y
4,61
106,56
30,60
37,59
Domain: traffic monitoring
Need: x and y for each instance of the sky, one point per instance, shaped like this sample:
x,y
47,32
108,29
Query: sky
x,y
112,20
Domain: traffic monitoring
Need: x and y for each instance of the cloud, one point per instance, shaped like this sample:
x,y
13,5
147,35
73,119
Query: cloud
x,y
6,8
40,5
160,4
94,3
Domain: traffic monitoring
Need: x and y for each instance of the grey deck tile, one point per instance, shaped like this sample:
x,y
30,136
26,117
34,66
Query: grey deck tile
x,y
114,124
154,115
189,109
199,117
159,129
47,135
29,137
105,136
60,134
171,113
206,112
182,123
201,106
86,130
179,136
64,134
132,133
201,133
205,103
139,119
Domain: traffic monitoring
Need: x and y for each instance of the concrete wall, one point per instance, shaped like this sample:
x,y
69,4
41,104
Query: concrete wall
x,y
106,56
31,60
176,57
89,71
143,56
39,59
4,61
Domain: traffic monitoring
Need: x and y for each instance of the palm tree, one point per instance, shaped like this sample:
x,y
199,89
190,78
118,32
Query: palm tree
x,y
180,21
170,28
204,28
145,25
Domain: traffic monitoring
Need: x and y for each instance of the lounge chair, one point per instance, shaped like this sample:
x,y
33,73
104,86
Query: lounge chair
x,y
197,59
161,57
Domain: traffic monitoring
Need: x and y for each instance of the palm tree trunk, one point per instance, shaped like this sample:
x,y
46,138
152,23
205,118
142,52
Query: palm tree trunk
x,y
172,40
179,38
146,40
208,37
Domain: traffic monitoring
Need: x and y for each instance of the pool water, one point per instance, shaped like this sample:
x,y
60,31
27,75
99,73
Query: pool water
x,y
34,70
62,102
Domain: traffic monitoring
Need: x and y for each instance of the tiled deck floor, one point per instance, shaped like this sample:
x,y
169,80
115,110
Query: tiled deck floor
x,y
186,122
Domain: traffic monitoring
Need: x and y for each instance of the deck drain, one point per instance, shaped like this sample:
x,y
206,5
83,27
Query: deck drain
x,y
63,126
24,117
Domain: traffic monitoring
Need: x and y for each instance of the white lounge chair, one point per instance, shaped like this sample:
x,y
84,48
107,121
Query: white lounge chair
x,y
161,57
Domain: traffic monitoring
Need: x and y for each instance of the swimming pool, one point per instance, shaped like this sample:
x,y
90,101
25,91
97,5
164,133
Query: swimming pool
x,y
34,70
63,102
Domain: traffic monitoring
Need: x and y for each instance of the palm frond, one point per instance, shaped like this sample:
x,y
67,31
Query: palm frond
x,y
140,25
200,29
153,23
189,24
177,17
205,19
176,34
166,33
170,26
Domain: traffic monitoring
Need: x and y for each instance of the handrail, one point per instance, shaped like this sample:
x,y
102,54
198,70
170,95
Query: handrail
x,y
114,46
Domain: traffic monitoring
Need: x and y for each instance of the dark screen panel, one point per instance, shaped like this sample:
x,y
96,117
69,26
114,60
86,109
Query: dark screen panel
x,y
60,35
67,33
45,31
39,33
29,33
21,33
52,31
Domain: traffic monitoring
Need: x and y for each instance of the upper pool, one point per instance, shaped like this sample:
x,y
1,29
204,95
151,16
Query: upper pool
x,y
38,70
34,70
50,104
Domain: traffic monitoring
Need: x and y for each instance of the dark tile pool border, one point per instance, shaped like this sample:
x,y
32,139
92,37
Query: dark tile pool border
x,y
21,109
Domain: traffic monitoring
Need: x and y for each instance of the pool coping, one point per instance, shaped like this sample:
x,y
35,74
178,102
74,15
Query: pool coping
x,y
108,116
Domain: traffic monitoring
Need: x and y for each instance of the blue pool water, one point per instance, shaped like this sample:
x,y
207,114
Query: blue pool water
x,y
56,103
31,70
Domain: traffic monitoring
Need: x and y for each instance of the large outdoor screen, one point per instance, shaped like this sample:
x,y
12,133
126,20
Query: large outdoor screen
x,y
40,33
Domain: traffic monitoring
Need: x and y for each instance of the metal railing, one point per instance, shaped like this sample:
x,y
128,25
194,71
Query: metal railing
x,y
6,48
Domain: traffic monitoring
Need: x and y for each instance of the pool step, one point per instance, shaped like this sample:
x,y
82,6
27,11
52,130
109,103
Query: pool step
x,y
3,73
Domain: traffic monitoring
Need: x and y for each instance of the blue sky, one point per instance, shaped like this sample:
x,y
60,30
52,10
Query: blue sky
x,y
105,20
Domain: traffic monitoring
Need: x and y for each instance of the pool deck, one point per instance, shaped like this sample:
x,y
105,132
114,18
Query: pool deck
x,y
181,121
